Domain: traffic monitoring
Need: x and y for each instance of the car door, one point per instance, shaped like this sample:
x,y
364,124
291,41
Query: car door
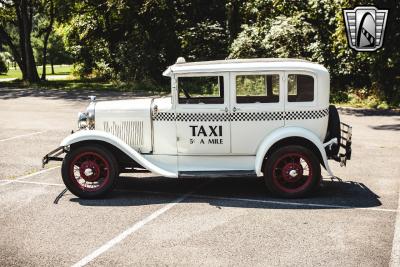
x,y
257,108
301,106
202,114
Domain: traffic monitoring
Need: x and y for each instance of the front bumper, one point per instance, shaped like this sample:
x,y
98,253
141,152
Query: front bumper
x,y
53,155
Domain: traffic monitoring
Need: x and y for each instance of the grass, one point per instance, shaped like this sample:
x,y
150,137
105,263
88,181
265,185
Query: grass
x,y
58,69
76,84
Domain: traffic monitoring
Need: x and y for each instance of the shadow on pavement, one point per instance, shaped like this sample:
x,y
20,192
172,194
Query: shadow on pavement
x,y
387,127
360,112
233,192
79,94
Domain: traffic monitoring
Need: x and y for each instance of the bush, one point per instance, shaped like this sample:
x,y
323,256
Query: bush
x,y
339,97
383,105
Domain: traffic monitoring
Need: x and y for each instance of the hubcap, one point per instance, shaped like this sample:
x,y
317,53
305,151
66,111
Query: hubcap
x,y
292,172
90,171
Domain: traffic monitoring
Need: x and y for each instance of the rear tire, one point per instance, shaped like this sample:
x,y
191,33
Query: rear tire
x,y
89,171
333,131
292,172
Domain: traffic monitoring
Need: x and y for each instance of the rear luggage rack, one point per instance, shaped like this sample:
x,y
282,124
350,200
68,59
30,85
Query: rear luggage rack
x,y
345,143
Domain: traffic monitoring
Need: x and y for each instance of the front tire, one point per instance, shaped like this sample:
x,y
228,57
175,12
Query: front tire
x,y
292,172
89,171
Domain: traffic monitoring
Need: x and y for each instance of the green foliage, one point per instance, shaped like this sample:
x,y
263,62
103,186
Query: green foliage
x,y
292,37
206,40
132,42
249,43
315,30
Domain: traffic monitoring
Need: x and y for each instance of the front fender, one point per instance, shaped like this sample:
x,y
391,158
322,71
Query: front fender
x,y
94,135
283,133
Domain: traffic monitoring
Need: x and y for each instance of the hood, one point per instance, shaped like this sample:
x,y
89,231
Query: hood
x,y
123,106
129,120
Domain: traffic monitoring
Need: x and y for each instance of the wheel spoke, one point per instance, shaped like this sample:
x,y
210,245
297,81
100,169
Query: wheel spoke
x,y
292,172
90,171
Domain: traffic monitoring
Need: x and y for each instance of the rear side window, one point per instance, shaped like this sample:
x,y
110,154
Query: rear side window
x,y
201,90
300,88
257,88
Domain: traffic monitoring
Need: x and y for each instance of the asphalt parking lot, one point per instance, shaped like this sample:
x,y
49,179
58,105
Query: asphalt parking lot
x,y
149,220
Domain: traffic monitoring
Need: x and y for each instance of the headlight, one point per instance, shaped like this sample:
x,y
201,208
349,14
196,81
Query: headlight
x,y
82,120
86,120
90,115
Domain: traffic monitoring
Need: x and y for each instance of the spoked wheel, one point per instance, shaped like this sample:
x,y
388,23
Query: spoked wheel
x,y
292,171
89,171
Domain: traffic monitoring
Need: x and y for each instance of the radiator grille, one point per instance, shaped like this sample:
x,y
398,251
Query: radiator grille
x,y
131,132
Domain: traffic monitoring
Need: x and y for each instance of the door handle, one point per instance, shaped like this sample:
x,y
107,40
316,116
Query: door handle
x,y
235,109
224,109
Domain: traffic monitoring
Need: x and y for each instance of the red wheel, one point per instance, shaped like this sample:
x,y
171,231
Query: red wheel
x,y
292,171
89,171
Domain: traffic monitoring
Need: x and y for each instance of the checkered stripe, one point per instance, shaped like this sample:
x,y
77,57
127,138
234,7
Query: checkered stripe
x,y
257,116
202,117
164,116
306,115
243,116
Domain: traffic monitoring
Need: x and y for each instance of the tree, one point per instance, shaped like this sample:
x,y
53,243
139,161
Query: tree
x,y
17,17
47,15
56,51
3,65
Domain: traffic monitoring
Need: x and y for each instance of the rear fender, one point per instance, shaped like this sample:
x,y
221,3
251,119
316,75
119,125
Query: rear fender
x,y
93,135
287,132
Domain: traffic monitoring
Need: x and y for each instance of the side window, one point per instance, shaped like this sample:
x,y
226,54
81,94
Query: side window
x,y
257,88
300,88
201,90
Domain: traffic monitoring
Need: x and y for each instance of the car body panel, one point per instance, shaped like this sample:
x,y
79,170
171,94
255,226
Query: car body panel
x,y
283,133
95,135
129,120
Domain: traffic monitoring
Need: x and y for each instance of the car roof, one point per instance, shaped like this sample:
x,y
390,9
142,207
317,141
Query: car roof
x,y
253,64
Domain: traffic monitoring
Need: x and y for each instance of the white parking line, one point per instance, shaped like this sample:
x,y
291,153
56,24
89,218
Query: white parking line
x,y
36,183
29,175
128,232
395,256
21,136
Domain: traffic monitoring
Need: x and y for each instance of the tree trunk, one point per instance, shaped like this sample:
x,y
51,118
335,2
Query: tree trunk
x,y
52,66
233,19
46,39
44,61
22,66
26,13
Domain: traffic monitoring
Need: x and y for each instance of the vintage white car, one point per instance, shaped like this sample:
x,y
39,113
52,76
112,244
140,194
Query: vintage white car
x,y
229,118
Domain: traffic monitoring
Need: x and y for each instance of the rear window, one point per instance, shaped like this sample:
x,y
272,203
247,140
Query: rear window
x,y
300,88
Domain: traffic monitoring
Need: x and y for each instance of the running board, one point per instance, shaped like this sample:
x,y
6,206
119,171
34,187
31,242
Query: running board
x,y
216,174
